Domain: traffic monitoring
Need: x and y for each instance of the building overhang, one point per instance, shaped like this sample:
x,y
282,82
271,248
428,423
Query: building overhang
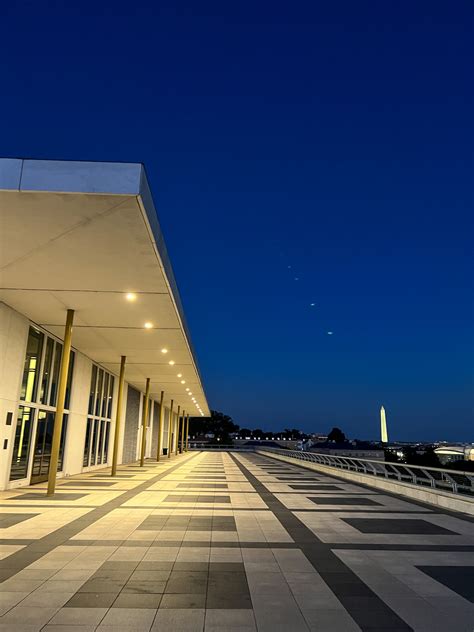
x,y
83,236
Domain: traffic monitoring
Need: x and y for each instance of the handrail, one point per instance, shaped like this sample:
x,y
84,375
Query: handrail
x,y
454,481
198,445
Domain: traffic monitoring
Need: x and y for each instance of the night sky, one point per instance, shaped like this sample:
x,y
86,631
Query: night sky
x,y
332,137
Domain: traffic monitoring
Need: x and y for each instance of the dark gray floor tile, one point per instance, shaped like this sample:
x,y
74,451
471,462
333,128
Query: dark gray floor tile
x,y
150,576
91,600
187,582
315,486
203,485
118,575
343,500
119,566
132,600
154,566
144,587
42,496
460,579
11,519
102,586
85,483
183,601
231,601
191,566
226,566
410,526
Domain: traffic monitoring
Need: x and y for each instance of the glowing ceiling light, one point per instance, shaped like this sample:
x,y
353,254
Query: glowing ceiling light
x,y
180,375
131,296
187,389
148,325
164,350
183,381
171,362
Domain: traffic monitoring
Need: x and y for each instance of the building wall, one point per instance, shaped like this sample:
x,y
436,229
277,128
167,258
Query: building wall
x,y
166,423
156,421
14,328
13,337
76,429
132,416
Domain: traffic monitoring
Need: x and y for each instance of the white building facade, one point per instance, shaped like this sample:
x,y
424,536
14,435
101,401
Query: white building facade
x,y
97,250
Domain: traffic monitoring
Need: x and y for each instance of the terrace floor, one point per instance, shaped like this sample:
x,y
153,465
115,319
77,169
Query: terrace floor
x,y
229,541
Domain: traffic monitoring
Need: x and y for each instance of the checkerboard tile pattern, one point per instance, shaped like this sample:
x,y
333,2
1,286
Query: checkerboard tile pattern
x,y
213,542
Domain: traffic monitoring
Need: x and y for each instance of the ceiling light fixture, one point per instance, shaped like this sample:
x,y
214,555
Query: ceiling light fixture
x,y
171,362
180,375
148,325
183,381
131,296
164,350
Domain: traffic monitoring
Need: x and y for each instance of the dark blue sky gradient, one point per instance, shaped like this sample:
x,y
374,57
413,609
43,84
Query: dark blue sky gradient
x,y
335,137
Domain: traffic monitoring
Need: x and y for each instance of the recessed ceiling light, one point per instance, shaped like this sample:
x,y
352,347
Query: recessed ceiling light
x,y
187,389
148,325
171,362
131,296
164,350
180,375
183,381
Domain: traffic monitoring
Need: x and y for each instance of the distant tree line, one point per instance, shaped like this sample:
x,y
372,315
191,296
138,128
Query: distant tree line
x,y
224,428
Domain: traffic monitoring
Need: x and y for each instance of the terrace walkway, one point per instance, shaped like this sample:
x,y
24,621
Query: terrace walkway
x,y
228,541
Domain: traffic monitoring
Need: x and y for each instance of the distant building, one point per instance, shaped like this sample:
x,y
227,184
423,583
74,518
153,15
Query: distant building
x,y
453,453
350,450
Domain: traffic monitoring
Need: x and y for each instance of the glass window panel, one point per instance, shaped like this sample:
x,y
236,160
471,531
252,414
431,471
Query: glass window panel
x,y
94,441
93,389
62,442
105,395
106,442
55,375
87,443
111,394
99,393
47,368
70,370
31,368
43,444
21,446
101,442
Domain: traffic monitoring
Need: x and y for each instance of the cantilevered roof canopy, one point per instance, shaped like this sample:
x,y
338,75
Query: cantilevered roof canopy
x,y
81,235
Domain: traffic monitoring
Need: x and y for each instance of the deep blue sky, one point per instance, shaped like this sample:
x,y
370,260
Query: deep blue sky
x,y
333,137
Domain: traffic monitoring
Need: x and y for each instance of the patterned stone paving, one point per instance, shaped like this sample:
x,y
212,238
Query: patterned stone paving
x,y
228,541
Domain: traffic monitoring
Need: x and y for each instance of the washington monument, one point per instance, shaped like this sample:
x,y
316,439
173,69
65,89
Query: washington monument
x,y
383,426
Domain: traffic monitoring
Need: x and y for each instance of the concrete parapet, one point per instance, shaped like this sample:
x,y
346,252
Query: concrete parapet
x,y
439,498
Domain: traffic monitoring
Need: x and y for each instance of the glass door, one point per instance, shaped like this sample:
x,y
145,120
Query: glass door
x,y
43,445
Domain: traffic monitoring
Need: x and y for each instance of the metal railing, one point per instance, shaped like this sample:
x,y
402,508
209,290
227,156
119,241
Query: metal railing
x,y
213,447
454,481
